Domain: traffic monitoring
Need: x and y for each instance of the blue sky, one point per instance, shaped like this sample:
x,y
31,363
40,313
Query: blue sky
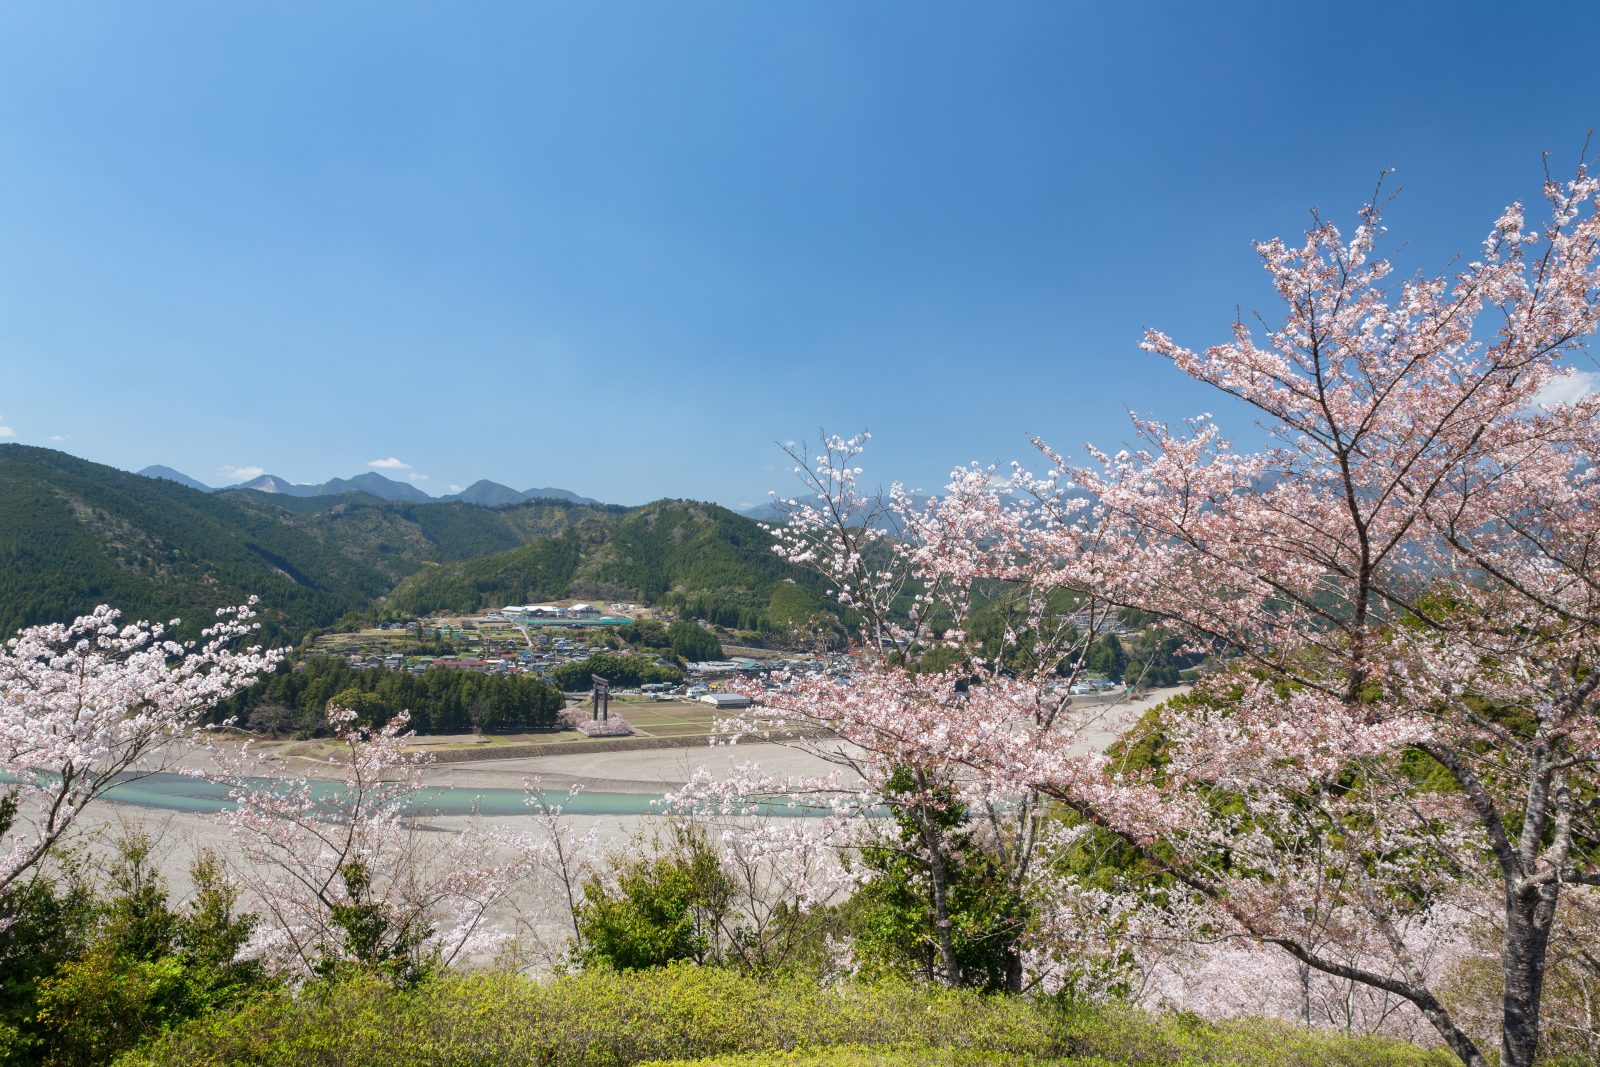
x,y
624,248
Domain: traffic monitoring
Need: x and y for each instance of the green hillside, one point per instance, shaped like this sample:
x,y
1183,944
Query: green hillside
x,y
396,538
74,534
679,552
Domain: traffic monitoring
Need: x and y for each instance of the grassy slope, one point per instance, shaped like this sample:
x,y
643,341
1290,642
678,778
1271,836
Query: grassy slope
x,y
688,1014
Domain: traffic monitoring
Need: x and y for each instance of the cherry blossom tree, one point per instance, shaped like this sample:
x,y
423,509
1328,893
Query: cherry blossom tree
x,y
947,621
1405,582
347,873
1409,578
87,704
776,869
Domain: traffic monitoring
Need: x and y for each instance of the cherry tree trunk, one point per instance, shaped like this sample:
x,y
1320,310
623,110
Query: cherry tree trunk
x,y
939,888
1530,914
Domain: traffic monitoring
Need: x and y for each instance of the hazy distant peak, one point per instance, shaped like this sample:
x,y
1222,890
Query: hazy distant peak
x,y
769,511
482,492
374,483
487,493
557,494
271,483
171,475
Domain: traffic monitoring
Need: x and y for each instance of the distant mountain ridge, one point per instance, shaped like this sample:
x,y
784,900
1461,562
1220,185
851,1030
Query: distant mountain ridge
x,y
74,534
483,491
493,494
171,475
768,511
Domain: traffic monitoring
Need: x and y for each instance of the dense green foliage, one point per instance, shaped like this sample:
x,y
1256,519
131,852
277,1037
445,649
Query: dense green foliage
x,y
893,913
543,570
658,909
692,642
622,671
687,640
440,701
371,940
87,975
608,1019
799,615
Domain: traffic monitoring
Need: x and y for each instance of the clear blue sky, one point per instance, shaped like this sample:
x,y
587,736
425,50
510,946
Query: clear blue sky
x,y
623,248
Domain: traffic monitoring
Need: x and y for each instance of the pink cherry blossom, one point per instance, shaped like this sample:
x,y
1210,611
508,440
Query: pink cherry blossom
x,y
86,704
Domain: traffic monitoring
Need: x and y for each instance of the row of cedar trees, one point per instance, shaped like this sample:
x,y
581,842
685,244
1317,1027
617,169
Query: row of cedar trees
x,y
294,699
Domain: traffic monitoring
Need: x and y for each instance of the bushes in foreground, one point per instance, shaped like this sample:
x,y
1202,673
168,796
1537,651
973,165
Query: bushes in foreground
x,y
685,1013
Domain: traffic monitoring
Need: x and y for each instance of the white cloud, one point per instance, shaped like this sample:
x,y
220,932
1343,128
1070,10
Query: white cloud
x,y
1561,392
454,488
414,476
6,431
243,474
390,464
59,437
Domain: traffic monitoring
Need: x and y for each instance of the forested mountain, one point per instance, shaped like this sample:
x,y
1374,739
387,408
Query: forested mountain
x,y
493,494
681,552
489,494
371,482
396,538
483,491
74,534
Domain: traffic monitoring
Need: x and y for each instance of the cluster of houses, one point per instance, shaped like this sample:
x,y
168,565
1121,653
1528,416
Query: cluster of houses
x,y
493,655
707,676
548,611
513,647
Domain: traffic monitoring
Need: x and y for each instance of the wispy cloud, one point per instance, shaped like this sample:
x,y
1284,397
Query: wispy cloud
x,y
6,431
390,464
453,488
58,437
243,474
1564,391
414,476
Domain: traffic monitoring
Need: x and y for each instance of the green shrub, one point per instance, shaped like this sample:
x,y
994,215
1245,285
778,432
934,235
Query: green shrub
x,y
84,977
667,907
880,1057
685,1013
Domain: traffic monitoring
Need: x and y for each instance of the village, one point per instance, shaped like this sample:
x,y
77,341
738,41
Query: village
x,y
537,639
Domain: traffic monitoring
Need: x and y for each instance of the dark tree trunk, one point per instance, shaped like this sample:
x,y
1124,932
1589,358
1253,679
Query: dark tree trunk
x,y
939,884
1530,914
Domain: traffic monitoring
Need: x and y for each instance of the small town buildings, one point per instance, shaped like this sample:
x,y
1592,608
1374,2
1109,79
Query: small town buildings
x,y
726,701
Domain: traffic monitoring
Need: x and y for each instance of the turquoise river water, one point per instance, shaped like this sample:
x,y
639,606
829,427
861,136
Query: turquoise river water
x,y
180,792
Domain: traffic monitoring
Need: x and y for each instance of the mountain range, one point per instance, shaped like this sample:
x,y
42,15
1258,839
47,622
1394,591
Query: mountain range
x,y
484,492
74,534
